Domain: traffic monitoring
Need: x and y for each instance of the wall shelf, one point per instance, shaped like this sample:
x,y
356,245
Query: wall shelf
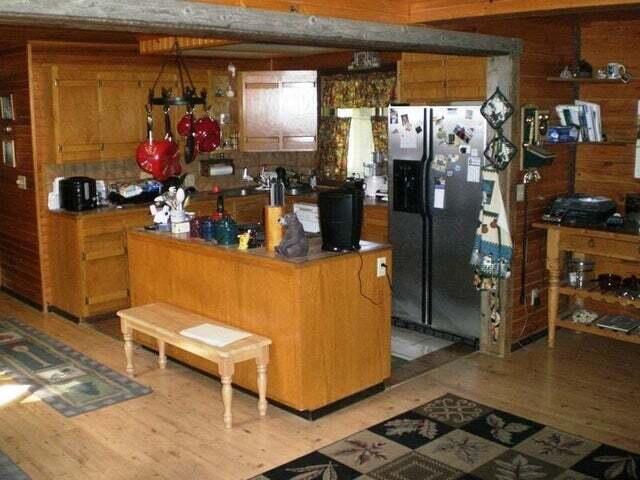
x,y
612,143
586,80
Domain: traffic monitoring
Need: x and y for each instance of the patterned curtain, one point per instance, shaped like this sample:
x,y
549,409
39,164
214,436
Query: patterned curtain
x,y
358,90
333,146
380,133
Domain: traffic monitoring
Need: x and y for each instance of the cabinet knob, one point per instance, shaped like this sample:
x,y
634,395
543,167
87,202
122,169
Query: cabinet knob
x,y
592,242
8,129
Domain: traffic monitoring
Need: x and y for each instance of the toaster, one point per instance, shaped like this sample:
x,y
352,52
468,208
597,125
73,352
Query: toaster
x,y
78,193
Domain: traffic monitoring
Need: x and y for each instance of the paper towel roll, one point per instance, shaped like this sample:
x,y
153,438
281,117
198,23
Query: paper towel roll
x,y
220,170
272,229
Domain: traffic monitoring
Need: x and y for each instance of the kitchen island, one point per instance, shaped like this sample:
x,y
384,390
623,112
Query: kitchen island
x,y
328,314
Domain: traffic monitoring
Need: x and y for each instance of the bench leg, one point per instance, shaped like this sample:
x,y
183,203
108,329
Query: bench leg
x,y
226,375
127,333
162,356
262,360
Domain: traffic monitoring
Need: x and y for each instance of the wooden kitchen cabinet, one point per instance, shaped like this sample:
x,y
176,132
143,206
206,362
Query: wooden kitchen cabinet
x,y
279,111
100,115
76,122
375,223
247,209
89,262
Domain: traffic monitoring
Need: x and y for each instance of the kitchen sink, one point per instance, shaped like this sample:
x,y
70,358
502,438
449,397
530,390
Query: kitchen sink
x,y
242,192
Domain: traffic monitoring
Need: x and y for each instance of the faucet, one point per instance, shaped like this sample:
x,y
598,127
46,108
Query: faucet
x,y
245,175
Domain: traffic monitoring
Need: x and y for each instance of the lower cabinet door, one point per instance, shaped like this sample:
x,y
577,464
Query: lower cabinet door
x,y
107,284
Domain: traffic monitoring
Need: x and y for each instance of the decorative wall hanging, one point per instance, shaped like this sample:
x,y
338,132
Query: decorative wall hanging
x,y
497,110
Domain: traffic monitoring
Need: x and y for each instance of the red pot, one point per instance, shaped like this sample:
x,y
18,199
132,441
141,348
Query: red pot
x,y
184,124
207,131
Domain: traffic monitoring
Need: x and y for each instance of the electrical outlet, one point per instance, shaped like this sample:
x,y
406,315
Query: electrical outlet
x,y
520,192
382,266
535,297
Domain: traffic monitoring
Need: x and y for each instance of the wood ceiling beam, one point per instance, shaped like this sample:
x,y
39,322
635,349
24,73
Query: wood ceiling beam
x,y
182,18
426,11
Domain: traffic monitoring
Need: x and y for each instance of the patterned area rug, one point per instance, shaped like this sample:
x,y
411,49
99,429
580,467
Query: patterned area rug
x,y
456,438
9,470
62,377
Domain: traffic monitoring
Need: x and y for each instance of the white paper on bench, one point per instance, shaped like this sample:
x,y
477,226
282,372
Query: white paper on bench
x,y
214,335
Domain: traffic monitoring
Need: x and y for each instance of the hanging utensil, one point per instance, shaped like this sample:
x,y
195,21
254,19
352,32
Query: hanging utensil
x,y
190,147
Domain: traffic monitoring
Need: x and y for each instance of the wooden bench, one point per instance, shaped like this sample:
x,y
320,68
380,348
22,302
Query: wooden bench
x,y
164,322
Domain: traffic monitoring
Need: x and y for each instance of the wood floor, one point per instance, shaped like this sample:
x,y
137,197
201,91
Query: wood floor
x,y
588,386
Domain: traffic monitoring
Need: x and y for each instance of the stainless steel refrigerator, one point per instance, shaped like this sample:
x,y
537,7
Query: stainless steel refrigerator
x,y
435,194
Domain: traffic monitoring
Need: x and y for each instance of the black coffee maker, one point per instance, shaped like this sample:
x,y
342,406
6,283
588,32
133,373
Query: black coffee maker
x,y
78,193
340,213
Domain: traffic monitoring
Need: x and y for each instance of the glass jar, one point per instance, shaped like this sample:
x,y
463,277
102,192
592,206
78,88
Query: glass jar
x,y
580,273
207,229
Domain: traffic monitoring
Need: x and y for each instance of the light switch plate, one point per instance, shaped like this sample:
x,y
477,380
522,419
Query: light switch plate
x,y
520,192
381,266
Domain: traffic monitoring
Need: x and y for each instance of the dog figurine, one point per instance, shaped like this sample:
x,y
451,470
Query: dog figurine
x,y
294,242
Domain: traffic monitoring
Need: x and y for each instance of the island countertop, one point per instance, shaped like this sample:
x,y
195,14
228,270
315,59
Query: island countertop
x,y
328,315
316,253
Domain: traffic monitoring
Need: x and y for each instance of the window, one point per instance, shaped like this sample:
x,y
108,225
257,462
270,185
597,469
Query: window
x,y
360,138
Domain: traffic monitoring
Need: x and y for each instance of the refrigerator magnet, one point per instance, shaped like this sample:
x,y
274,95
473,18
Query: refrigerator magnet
x,y
438,196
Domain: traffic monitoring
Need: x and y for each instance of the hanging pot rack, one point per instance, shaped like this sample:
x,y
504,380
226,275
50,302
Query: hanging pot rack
x,y
188,93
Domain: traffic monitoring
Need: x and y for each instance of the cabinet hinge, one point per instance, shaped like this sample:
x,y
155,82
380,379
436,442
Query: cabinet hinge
x,y
128,292
55,82
102,147
84,256
100,83
86,300
60,147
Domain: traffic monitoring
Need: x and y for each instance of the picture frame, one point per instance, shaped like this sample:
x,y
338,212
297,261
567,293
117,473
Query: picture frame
x,y
8,153
6,107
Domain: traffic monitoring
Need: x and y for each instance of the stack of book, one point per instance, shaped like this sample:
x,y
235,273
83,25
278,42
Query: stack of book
x,y
585,116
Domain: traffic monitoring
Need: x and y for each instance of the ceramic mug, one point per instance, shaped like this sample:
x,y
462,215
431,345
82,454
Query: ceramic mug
x,y
617,71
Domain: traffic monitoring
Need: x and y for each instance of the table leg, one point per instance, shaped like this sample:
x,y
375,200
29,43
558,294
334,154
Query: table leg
x,y
553,266
127,333
162,356
226,374
261,361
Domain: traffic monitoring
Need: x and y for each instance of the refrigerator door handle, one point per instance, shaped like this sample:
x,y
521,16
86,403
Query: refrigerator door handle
x,y
425,188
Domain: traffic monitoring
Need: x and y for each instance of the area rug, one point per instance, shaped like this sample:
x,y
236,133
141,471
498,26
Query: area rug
x,y
62,377
9,470
456,438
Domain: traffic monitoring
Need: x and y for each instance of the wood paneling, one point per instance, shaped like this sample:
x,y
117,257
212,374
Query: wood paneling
x,y
438,10
19,246
608,170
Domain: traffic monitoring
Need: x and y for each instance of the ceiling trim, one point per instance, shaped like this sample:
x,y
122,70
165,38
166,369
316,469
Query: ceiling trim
x,y
182,18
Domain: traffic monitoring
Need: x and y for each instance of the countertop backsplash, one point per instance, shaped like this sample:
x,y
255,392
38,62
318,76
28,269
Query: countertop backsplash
x,y
128,170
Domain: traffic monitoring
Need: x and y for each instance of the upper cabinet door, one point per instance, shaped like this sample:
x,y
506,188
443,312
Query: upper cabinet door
x,y
260,112
299,111
121,129
76,119
279,111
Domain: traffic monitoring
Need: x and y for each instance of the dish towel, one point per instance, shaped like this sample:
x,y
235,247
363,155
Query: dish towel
x,y
492,248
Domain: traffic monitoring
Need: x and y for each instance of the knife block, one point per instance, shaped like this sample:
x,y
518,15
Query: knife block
x,y
272,229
